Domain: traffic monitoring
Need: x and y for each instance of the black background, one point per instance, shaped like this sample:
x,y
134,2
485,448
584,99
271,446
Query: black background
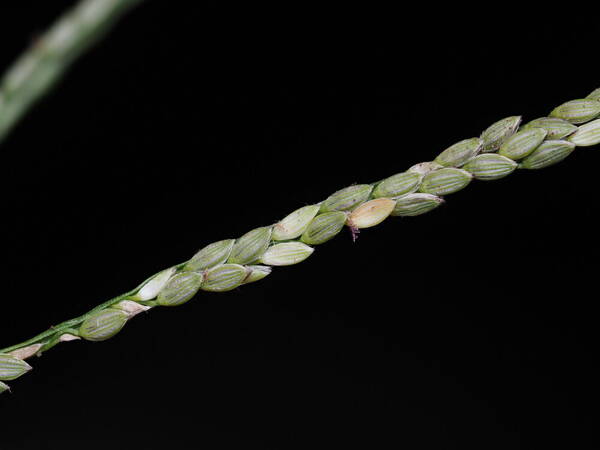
x,y
474,326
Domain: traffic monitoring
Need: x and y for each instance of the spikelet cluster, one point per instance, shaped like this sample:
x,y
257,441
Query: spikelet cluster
x,y
502,148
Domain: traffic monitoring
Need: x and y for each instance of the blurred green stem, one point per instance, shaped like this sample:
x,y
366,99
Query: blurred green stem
x,y
39,68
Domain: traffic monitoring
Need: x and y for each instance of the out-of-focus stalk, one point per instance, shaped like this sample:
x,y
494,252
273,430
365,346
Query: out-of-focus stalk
x,y
41,66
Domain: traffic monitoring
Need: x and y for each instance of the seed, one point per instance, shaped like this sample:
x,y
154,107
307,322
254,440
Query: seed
x,y
490,166
295,223
26,352
181,288
521,144
587,134
131,308
416,204
556,128
547,154
286,254
595,95
399,184
371,213
458,154
68,337
255,273
11,367
445,181
324,227
498,132
224,278
3,387
577,111
250,247
211,255
425,167
103,324
347,198
152,288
